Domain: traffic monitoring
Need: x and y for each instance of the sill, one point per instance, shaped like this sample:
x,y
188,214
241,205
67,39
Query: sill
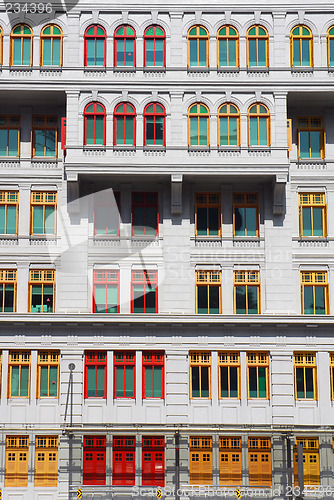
x,y
230,149
125,147
228,69
154,148
198,69
258,69
95,68
125,69
154,69
301,69
192,149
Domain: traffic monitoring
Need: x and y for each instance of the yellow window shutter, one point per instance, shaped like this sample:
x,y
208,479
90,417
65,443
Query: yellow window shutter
x,y
289,134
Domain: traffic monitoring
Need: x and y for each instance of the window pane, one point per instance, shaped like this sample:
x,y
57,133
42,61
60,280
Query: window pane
x,y
99,133
253,132
56,52
26,51
203,132
129,52
53,382
11,219
138,220
44,383
252,382
112,298
50,143
214,299
194,139
91,381
150,130
148,381
38,220
158,381
100,298
223,53
331,52
100,52
15,381
50,220
150,302
159,53
213,220
296,53
252,299
36,298
47,52
119,381
308,300
100,381
262,52
129,381
2,219
48,298
120,139
39,142
309,383
201,221
204,381
224,132
233,138
129,138
304,144
3,142
120,49
149,52
202,52
232,53
202,299
306,53
315,140
224,393
262,382
251,218
317,222
13,143
90,132
193,52
233,382
159,127
195,381
90,52
151,220
240,299
9,298
138,299
252,52
300,383
239,221
17,51
24,381
307,227
319,300
263,140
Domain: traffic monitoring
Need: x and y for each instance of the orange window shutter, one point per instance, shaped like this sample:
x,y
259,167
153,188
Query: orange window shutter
x,y
230,468
11,468
52,468
289,134
314,472
40,468
253,468
23,468
265,469
236,474
195,472
207,468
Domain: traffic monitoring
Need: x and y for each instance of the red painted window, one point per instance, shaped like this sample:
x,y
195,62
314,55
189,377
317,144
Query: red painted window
x,y
124,125
154,47
153,374
95,46
125,47
123,470
153,461
63,133
154,125
94,461
144,292
106,213
94,124
124,374
95,374
106,292
144,214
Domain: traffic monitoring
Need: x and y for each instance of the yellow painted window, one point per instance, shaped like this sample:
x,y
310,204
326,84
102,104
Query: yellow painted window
x,y
258,375
208,292
46,461
229,375
228,125
48,374
311,138
227,47
301,46
289,134
305,365
312,214
310,460
16,468
208,216
10,135
201,460
259,461
247,298
198,125
314,292
330,47
200,374
1,46
8,288
9,206
41,290
246,214
331,361
258,118
43,209
230,465
44,140
21,39
51,46
198,46
19,374
257,47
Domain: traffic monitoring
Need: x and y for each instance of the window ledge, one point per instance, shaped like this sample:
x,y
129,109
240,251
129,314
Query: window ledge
x,y
92,69
198,69
228,69
154,69
194,149
124,148
258,69
125,69
154,148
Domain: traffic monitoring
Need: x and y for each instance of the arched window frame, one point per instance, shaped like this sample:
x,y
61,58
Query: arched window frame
x,y
257,115
198,37
228,115
95,113
155,114
199,115
95,37
229,38
330,47
20,36
300,37
126,39
155,37
1,46
257,38
52,36
122,115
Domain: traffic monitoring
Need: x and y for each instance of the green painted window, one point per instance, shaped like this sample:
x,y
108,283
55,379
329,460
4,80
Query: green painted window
x,y
95,46
95,374
124,374
198,124
301,41
21,46
153,379
9,135
95,124
124,125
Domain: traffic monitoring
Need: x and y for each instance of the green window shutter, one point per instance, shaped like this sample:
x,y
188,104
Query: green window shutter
x,y
306,59
239,218
91,382
262,382
309,383
158,381
120,381
195,381
203,131
90,137
315,143
213,299
99,133
50,215
193,52
202,45
9,298
202,300
304,144
24,381
39,142
300,389
47,52
240,300
3,219
26,51
53,382
202,228
223,53
253,132
308,300
44,382
50,143
112,299
100,379
263,139
307,221
90,52
100,52
253,382
149,381
233,381
138,299
11,219
252,299
15,381
204,381
56,52
100,298
224,138
318,229
129,381
224,393
252,53
320,300
251,218
17,52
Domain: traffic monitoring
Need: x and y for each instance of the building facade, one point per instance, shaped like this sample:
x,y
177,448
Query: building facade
x,y
166,250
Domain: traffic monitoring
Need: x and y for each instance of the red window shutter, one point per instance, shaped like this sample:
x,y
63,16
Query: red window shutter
x,y
63,133
94,462
153,462
123,461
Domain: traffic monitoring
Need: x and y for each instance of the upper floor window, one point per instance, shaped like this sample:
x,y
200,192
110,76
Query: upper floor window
x,y
258,125
43,212
145,214
208,218
41,291
124,125
314,292
198,125
48,374
21,46
229,375
125,46
124,374
198,46
9,207
95,124
9,135
154,125
8,288
258,375
228,125
153,374
51,50
246,214
330,47
95,374
301,46
200,374
247,292
154,47
106,292
208,292
107,213
305,375
44,136
144,292
311,138
228,46
257,47
19,374
312,214
95,41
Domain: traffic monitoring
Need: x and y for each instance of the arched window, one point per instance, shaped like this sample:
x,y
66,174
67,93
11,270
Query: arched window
x,y
154,125
1,46
125,47
301,46
124,124
154,47
198,125
228,125
51,46
258,125
95,124
228,46
198,46
330,47
21,46
257,47
95,46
